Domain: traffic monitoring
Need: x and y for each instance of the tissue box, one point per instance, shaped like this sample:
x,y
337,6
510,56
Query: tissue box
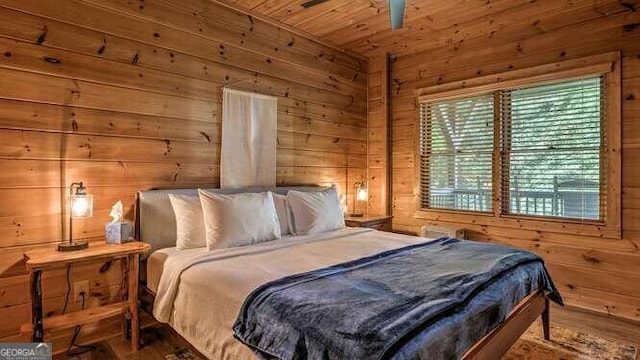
x,y
118,232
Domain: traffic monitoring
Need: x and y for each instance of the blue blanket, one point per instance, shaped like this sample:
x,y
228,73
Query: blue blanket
x,y
388,305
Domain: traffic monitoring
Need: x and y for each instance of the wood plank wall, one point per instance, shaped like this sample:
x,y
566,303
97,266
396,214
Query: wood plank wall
x,y
125,95
593,273
378,136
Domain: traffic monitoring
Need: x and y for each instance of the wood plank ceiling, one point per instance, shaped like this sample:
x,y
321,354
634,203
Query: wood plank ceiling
x,y
362,26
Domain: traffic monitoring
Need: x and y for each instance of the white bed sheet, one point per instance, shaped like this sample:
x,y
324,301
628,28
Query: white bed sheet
x,y
155,263
199,293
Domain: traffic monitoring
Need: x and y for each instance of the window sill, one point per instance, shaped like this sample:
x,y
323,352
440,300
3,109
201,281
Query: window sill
x,y
562,226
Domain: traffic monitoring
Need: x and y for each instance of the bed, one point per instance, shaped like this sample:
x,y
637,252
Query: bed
x,y
219,284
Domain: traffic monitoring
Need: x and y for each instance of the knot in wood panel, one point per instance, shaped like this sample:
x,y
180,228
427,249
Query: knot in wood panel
x,y
167,144
630,27
590,259
205,136
52,60
42,36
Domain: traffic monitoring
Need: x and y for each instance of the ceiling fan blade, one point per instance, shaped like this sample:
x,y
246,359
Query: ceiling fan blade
x,y
396,13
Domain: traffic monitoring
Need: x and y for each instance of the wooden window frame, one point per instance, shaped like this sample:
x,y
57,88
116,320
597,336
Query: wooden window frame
x,y
607,65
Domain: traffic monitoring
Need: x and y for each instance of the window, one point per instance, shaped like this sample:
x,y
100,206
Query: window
x,y
456,153
531,149
541,145
551,149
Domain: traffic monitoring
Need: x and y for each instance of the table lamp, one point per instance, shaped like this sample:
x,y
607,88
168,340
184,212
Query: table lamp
x,y
360,190
80,207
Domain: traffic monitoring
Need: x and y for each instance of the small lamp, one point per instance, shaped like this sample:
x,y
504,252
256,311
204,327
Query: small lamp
x,y
360,190
80,207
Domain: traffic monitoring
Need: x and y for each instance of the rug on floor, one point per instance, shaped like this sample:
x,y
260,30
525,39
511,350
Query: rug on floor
x,y
101,350
567,344
183,354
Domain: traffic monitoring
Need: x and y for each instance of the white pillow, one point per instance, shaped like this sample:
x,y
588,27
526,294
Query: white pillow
x,y
284,213
190,231
239,219
315,212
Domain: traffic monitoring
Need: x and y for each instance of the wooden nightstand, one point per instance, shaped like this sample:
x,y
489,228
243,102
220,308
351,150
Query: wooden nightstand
x,y
374,222
38,260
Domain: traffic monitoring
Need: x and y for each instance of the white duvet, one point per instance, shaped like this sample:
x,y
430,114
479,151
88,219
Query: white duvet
x,y
200,293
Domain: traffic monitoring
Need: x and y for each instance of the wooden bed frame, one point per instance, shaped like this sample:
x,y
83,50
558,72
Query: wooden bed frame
x,y
499,340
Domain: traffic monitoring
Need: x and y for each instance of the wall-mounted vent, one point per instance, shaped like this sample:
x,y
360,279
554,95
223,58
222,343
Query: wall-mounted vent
x,y
312,3
440,231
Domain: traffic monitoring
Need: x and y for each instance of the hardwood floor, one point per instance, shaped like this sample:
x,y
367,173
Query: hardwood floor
x,y
608,327
160,340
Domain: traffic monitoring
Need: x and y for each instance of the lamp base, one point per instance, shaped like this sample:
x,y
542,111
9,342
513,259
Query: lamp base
x,y
356,215
76,245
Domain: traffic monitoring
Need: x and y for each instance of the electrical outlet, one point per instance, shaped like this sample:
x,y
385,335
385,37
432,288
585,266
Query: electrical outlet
x,y
81,287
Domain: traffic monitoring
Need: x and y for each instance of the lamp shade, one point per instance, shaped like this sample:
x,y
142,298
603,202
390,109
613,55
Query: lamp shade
x,y
361,195
81,204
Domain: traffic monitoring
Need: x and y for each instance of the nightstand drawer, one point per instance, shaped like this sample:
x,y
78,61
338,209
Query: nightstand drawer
x,y
382,223
383,226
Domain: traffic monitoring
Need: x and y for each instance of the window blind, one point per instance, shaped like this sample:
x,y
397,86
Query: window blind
x,y
456,153
552,138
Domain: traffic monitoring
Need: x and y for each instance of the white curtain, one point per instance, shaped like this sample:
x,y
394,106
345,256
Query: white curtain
x,y
249,136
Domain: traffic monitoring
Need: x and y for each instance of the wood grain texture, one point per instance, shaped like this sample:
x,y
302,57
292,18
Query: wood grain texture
x,y
362,26
378,162
44,258
126,95
81,317
591,272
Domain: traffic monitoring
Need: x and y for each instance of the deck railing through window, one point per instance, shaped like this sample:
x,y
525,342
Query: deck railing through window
x,y
557,203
